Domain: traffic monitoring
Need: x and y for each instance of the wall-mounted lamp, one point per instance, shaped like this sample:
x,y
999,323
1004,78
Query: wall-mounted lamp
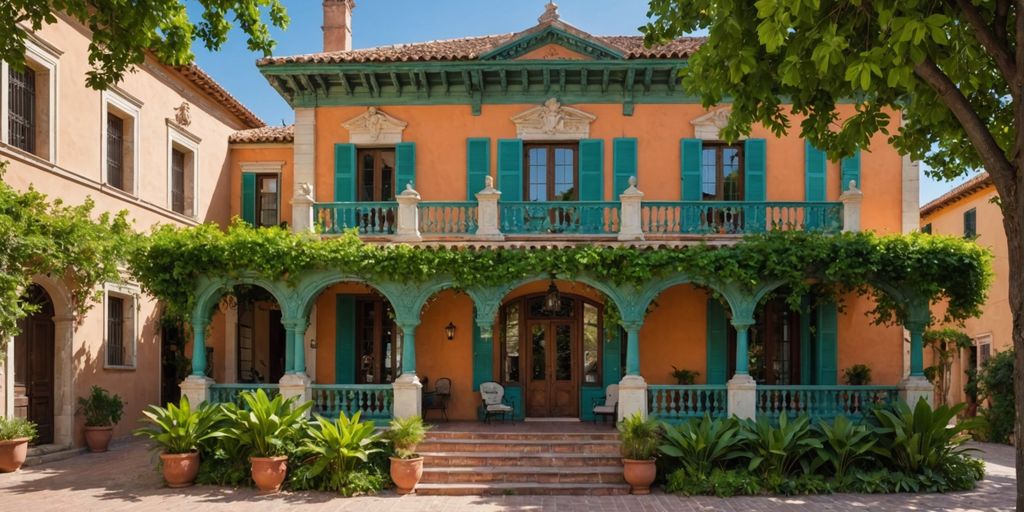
x,y
312,343
449,331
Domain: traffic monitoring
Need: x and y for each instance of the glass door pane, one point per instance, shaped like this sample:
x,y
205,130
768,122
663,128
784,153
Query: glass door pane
x,y
537,162
565,174
563,352
538,340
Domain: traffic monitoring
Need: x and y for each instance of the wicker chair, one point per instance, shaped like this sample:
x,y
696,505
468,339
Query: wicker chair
x,y
494,402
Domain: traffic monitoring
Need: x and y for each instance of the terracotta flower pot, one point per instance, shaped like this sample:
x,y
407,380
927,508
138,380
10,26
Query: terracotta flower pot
x,y
639,474
269,472
180,469
406,473
13,454
98,438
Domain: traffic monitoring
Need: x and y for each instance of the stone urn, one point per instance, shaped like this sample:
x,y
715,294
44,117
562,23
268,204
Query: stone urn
x,y
639,474
269,472
180,469
98,438
13,454
406,473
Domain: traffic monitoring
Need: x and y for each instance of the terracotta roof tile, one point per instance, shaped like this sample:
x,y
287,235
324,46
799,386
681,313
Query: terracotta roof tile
x,y
961,191
214,90
471,48
263,135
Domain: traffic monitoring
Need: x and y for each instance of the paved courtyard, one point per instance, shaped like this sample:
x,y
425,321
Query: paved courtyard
x,y
124,479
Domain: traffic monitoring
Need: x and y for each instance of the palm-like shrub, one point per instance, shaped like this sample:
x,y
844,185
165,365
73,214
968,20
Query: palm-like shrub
x,y
16,428
845,444
101,409
702,445
780,450
268,428
405,434
922,438
180,429
334,450
640,437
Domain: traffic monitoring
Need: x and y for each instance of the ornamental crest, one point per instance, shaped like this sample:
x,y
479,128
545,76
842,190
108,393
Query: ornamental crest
x,y
553,121
374,127
709,126
182,114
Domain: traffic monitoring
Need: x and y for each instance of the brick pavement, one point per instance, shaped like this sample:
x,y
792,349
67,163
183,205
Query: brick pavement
x,y
123,479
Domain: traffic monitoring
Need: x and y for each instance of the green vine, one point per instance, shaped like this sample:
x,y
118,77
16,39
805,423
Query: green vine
x,y
169,262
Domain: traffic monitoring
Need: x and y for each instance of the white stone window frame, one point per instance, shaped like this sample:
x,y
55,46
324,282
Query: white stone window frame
x,y
42,57
189,143
127,107
131,294
979,341
266,167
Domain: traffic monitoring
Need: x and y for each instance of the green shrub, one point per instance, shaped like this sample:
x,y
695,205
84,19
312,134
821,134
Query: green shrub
x,y
782,449
639,437
265,427
699,446
995,383
16,428
845,444
180,429
913,440
333,455
683,376
225,461
720,482
100,408
857,375
405,434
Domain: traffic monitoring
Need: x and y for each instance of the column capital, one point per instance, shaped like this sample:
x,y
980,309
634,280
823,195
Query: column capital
x,y
632,325
742,323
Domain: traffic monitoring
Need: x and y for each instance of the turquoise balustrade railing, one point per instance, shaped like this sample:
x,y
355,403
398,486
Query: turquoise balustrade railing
x,y
823,402
231,393
678,403
375,401
738,217
371,218
447,218
559,217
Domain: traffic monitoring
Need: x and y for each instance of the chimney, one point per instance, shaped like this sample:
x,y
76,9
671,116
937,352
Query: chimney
x,y
338,25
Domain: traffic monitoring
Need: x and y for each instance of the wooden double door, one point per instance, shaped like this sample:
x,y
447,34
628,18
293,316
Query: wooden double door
x,y
552,368
33,366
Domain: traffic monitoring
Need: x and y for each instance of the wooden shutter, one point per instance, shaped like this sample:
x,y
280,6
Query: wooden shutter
x,y
345,340
624,163
814,173
717,349
248,203
755,169
849,169
478,165
483,355
591,185
405,167
510,169
612,364
827,352
689,158
344,172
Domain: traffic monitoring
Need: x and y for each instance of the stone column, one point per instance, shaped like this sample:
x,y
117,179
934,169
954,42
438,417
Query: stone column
x,y
741,388
197,385
231,344
407,227
632,387
851,199
302,209
630,228
304,150
63,380
487,212
407,387
916,386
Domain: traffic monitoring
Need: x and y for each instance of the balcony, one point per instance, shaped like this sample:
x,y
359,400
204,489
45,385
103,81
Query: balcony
x,y
630,219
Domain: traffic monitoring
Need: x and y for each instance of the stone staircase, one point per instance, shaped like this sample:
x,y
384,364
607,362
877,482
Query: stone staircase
x,y
488,463
45,453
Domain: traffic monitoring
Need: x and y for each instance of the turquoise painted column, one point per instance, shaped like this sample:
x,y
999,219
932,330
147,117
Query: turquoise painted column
x,y
289,349
742,347
409,348
632,347
199,347
297,335
916,348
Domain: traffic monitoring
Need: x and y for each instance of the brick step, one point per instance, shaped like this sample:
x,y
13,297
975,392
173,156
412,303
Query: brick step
x,y
525,474
525,488
520,446
485,459
611,435
50,453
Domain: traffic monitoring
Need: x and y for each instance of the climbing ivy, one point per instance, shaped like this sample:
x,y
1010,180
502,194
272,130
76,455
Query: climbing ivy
x,y
169,262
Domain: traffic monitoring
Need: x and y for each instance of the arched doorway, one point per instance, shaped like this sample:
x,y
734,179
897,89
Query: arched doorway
x,y
33,365
262,340
552,353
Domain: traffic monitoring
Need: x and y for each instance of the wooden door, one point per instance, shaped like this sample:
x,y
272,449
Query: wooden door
x,y
277,342
33,367
552,368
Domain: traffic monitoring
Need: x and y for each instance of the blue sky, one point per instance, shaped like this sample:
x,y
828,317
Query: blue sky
x,y
382,22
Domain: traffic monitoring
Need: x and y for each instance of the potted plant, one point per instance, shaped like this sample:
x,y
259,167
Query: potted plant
x,y
639,438
406,465
857,375
15,434
684,377
102,411
267,429
178,430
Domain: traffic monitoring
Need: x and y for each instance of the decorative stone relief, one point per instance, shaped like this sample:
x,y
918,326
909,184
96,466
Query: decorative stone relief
x,y
709,126
182,115
553,121
375,127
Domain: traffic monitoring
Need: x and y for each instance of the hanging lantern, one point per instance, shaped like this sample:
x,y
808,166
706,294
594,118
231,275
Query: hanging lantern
x,y
553,299
449,331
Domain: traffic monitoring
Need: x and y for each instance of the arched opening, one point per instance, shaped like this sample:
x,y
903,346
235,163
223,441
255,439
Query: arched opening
x,y
260,343
34,365
174,361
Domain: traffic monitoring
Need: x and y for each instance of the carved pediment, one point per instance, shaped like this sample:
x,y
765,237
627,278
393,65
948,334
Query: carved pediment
x,y
553,121
709,126
374,127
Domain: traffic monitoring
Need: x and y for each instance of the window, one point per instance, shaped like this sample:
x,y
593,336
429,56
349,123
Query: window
x,y
177,180
21,104
28,100
376,176
120,137
115,151
511,348
927,229
722,172
971,223
591,345
982,349
120,326
267,200
377,341
182,162
551,172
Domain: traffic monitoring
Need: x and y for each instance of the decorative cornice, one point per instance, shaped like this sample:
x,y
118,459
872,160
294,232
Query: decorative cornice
x,y
553,35
374,127
553,121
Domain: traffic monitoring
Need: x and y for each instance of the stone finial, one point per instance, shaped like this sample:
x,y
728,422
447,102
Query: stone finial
x,y
632,181
305,190
550,13
409,192
489,182
852,187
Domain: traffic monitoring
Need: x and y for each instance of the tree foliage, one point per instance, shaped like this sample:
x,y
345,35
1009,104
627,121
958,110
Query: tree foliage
x,y
124,30
946,344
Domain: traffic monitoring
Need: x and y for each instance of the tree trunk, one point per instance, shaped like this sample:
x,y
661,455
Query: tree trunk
x,y
1013,224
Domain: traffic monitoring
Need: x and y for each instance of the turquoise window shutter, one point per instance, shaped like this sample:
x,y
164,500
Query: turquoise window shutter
x,y
806,361
591,185
624,163
249,197
405,166
827,351
612,356
483,356
510,169
344,172
345,340
689,158
814,173
755,169
478,165
849,169
717,350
